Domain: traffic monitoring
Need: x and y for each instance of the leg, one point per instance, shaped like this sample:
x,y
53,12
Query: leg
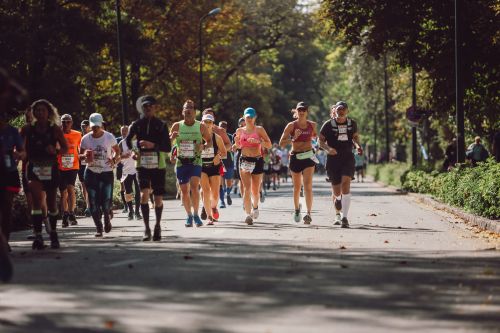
x,y
346,195
195,193
246,181
206,190
215,183
186,198
255,188
308,193
297,184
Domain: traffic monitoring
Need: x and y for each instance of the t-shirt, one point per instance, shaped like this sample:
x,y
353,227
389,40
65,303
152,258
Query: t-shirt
x,y
340,142
128,164
70,161
102,148
10,138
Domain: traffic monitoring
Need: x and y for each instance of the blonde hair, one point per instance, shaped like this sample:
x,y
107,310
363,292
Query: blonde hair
x,y
54,118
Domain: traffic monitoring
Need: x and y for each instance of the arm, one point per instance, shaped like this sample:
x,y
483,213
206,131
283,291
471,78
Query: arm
x,y
323,145
236,144
266,142
174,131
165,143
315,129
286,136
61,140
131,134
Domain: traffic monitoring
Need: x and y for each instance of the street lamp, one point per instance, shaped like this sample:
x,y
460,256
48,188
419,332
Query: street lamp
x,y
213,12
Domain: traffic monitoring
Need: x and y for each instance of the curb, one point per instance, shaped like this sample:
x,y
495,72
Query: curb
x,y
474,220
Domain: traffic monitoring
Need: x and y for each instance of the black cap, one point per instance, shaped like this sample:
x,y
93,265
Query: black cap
x,y
341,104
148,100
301,105
85,123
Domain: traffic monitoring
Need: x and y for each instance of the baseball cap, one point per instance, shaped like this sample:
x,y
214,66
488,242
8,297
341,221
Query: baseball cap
x,y
302,105
148,100
249,112
341,104
241,120
208,117
84,123
95,119
66,117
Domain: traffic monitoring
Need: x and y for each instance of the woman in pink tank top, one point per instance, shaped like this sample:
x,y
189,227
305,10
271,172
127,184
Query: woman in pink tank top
x,y
302,158
251,139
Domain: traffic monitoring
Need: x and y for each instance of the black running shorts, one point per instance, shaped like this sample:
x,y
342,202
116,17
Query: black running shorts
x,y
338,166
152,178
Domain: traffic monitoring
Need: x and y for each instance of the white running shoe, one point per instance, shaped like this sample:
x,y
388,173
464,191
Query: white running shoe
x,y
255,213
297,216
338,219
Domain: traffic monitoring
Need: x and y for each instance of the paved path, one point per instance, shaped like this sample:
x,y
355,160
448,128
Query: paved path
x,y
401,267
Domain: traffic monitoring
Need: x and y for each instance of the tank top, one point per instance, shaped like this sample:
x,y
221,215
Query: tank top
x,y
306,134
189,137
208,154
245,136
70,161
36,143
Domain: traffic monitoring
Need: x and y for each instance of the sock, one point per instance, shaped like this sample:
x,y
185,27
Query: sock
x,y
158,211
346,203
130,207
221,193
145,214
122,195
229,189
37,219
53,220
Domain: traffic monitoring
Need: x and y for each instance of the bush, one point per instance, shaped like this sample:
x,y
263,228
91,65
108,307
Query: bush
x,y
389,174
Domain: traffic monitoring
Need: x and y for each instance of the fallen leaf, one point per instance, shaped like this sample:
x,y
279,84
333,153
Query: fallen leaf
x,y
109,324
404,262
344,266
188,257
386,241
343,247
400,228
372,214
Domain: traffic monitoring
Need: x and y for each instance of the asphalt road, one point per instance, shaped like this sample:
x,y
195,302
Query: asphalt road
x,y
400,267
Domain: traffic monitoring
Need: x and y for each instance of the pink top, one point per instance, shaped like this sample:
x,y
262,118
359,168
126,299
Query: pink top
x,y
305,135
244,139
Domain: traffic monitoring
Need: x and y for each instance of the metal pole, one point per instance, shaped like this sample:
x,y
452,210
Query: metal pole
x,y
122,65
413,128
375,121
459,91
201,64
386,112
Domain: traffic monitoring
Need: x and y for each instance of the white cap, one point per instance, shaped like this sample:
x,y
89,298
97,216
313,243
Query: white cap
x,y
207,117
95,119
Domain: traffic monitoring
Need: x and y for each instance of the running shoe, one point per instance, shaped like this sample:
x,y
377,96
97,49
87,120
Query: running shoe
x,y
189,221
138,216
222,204
297,216
338,219
130,216
274,187
255,213
215,213
72,219
87,212
157,233
345,223
38,243
307,219
107,223
147,235
338,205
98,232
197,221
203,213
229,200
249,220
65,220
210,220
54,240
125,210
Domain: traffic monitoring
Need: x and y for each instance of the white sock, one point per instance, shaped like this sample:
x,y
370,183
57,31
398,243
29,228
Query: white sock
x,y
346,203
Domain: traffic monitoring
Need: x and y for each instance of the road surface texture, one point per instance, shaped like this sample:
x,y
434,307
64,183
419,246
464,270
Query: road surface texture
x,y
400,267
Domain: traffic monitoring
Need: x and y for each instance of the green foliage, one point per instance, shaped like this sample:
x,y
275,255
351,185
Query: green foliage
x,y
389,174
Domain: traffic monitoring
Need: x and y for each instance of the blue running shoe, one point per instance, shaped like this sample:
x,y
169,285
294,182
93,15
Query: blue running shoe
x,y
197,221
189,221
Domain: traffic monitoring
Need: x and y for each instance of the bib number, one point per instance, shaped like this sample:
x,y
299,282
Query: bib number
x,y
247,166
67,161
208,153
186,149
149,160
43,172
343,133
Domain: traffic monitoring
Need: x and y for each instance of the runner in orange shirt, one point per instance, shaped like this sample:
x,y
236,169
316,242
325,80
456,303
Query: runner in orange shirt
x,y
69,165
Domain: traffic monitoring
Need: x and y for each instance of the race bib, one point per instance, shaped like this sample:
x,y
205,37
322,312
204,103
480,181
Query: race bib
x,y
276,167
247,166
343,133
305,155
68,161
43,172
149,160
208,153
266,167
99,161
186,149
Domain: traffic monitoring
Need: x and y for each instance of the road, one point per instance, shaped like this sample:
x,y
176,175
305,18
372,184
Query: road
x,y
400,267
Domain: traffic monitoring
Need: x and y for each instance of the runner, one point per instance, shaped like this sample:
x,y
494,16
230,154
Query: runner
x,y
42,171
276,166
69,165
359,164
285,161
85,128
101,152
210,172
129,180
227,184
302,158
153,144
189,135
337,137
119,169
251,139
237,154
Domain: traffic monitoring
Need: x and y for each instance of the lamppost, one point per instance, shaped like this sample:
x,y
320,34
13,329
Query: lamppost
x,y
459,89
211,13
122,65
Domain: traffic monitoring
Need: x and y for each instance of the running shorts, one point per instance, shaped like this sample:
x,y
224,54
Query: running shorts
x,y
211,170
129,182
256,164
185,172
152,178
67,177
49,180
338,166
298,166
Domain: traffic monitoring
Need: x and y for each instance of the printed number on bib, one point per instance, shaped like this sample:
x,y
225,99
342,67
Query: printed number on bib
x,y
149,160
186,149
208,153
43,172
67,160
343,133
247,166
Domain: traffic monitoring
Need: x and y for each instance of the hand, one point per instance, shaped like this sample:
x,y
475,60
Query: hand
x,y
332,151
172,158
360,151
235,147
18,155
144,144
50,149
174,135
217,159
134,156
110,162
200,147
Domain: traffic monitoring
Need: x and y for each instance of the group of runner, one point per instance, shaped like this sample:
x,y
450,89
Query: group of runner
x,y
206,159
